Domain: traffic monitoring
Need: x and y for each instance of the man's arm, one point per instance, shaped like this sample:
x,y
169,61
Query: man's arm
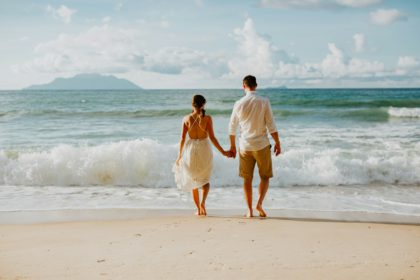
x,y
277,146
233,127
232,149
271,125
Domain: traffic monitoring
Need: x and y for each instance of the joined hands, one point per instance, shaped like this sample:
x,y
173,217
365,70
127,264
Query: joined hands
x,y
229,154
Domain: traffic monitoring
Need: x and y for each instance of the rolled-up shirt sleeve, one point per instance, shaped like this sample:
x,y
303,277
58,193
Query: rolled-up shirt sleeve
x,y
269,119
234,122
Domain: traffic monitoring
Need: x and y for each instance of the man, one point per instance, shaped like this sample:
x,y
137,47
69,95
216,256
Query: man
x,y
254,116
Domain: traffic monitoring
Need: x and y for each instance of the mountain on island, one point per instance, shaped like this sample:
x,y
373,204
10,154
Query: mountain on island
x,y
87,82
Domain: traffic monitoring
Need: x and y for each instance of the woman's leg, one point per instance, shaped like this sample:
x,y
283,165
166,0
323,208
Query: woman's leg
x,y
206,189
196,197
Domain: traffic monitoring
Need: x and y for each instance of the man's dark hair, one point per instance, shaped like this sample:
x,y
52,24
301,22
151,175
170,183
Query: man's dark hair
x,y
250,81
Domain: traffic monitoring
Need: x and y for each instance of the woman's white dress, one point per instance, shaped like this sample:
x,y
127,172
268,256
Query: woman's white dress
x,y
196,165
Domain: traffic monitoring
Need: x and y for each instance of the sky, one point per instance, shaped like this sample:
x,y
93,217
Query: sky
x,y
213,43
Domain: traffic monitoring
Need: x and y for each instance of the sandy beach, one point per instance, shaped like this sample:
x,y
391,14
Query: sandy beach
x,y
183,246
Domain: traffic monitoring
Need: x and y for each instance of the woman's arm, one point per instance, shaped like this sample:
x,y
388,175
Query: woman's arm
x,y
213,138
182,141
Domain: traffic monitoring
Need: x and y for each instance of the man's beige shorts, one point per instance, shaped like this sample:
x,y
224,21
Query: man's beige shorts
x,y
247,160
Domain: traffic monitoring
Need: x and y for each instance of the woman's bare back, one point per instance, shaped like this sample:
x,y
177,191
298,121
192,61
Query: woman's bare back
x,y
197,126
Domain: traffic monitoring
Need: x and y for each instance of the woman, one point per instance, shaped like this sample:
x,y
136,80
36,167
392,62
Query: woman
x,y
195,162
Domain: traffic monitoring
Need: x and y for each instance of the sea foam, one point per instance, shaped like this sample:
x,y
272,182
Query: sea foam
x,y
404,112
131,163
148,163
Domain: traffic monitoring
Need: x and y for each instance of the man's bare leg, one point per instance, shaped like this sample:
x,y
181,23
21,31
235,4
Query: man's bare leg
x,y
248,195
262,189
196,197
206,189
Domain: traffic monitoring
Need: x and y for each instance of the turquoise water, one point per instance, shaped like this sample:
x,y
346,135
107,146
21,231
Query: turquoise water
x,y
47,118
75,149
101,116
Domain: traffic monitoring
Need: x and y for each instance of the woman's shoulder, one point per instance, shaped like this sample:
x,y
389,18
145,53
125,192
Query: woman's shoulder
x,y
186,118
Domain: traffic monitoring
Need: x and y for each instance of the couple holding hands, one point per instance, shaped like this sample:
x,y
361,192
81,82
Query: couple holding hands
x,y
253,114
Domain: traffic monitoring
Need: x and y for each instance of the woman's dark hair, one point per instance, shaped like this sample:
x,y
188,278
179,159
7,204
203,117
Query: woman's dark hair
x,y
198,101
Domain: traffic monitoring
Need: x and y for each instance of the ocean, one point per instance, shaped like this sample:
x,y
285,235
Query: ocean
x,y
343,150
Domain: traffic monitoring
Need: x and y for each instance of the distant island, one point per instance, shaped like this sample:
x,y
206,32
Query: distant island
x,y
87,82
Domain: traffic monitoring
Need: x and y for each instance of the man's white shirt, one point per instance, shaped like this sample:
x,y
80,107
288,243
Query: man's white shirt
x,y
253,114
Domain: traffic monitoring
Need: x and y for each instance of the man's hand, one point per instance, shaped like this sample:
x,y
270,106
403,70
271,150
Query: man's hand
x,y
232,151
277,149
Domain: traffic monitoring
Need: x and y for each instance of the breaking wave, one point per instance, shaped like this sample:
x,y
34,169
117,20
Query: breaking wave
x,y
149,163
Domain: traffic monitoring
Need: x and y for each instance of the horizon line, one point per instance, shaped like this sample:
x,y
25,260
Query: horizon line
x,y
262,88
266,88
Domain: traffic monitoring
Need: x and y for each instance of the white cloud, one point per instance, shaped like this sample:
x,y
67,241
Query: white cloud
x,y
291,3
304,71
100,48
387,16
165,23
359,42
123,51
407,65
199,3
63,12
333,64
118,6
178,60
318,4
365,68
107,49
337,65
357,3
106,19
255,53
407,62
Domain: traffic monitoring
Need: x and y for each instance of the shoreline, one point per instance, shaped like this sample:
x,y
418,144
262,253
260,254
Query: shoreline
x,y
119,214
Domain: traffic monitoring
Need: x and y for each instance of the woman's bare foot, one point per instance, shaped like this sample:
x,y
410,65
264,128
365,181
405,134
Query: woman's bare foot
x,y
261,211
198,212
203,210
249,214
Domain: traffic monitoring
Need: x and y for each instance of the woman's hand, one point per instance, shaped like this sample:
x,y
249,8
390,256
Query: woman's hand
x,y
178,161
227,153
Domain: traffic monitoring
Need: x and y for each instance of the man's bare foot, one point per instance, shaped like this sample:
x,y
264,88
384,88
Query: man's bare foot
x,y
203,210
249,214
261,211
